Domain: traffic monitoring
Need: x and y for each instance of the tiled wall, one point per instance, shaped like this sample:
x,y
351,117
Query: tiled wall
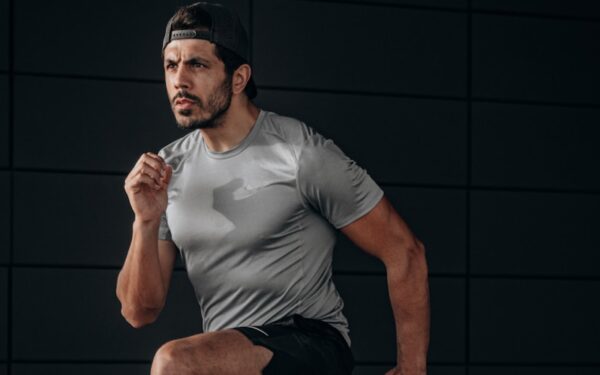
x,y
479,118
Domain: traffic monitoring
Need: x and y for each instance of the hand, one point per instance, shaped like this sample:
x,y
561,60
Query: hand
x,y
146,187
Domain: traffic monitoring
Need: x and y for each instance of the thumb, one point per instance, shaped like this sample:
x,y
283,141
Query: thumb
x,y
168,174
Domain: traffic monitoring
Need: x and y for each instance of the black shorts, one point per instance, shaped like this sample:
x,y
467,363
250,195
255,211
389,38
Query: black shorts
x,y
302,346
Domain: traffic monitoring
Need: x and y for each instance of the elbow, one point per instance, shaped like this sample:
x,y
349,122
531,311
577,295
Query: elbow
x,y
139,317
408,261
420,253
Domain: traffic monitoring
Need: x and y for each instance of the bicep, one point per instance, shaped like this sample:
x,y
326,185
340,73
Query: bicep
x,y
382,233
167,251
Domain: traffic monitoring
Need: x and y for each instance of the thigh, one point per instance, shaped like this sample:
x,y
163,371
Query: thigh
x,y
302,346
222,352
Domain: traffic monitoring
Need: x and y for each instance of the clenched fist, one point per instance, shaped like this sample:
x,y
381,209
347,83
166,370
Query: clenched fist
x,y
146,187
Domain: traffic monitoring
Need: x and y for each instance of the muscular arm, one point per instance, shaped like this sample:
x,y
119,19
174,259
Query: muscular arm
x,y
144,280
383,234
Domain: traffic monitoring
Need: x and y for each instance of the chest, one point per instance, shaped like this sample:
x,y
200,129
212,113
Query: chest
x,y
233,205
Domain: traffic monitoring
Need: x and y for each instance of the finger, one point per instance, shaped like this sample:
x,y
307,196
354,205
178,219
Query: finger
x,y
155,165
148,160
154,155
146,156
160,163
145,167
144,179
140,160
136,183
144,163
168,174
150,170
157,158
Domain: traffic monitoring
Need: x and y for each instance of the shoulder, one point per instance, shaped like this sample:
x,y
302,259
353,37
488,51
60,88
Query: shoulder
x,y
176,151
287,129
310,147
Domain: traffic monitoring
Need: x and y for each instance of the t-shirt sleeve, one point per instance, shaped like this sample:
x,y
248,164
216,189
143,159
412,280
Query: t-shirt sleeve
x,y
333,184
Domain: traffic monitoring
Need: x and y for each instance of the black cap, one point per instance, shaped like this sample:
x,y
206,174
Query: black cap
x,y
226,30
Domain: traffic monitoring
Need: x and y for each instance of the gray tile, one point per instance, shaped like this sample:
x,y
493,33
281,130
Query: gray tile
x,y
395,139
4,34
357,47
79,304
436,216
89,125
119,39
446,370
535,146
534,370
4,121
534,321
535,59
3,314
526,233
366,305
460,4
80,368
91,211
4,217
577,8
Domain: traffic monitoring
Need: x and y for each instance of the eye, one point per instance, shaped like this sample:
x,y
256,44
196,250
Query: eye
x,y
199,65
170,66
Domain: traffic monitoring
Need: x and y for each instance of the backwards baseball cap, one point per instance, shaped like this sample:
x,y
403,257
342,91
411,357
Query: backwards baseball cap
x,y
225,30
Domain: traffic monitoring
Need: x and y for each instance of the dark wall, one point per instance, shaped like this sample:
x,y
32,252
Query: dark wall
x,y
479,118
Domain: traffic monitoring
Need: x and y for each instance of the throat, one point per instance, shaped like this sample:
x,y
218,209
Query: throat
x,y
232,131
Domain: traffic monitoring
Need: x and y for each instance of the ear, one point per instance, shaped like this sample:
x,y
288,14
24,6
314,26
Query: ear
x,y
240,78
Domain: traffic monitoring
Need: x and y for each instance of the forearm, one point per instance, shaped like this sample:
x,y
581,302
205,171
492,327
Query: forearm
x,y
409,296
138,287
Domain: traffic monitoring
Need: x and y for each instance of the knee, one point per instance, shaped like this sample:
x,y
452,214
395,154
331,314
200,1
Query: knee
x,y
166,360
176,357
169,360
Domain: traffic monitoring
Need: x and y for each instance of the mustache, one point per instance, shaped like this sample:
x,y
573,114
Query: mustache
x,y
185,95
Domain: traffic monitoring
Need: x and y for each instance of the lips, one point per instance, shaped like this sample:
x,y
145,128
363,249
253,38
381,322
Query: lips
x,y
184,103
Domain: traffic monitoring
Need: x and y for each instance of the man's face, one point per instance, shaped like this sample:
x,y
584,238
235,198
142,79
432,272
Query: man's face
x,y
198,87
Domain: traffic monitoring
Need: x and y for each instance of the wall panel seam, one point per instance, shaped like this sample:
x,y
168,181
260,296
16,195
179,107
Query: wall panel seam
x,y
467,258
11,126
458,9
474,99
385,4
393,184
534,15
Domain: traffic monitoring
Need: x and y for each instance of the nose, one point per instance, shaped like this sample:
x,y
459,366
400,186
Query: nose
x,y
181,78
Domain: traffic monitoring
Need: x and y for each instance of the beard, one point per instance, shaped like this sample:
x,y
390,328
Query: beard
x,y
216,106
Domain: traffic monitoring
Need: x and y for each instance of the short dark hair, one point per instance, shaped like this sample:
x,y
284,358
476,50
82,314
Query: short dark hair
x,y
195,18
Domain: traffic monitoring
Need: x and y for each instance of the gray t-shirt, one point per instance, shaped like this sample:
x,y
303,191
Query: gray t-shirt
x,y
255,224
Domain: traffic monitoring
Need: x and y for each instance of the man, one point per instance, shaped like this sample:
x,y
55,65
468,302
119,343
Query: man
x,y
251,200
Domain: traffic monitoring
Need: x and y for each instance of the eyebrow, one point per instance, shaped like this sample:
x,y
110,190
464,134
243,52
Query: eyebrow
x,y
192,60
196,59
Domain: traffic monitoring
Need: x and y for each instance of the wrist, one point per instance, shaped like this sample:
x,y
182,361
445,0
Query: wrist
x,y
410,365
412,369
146,224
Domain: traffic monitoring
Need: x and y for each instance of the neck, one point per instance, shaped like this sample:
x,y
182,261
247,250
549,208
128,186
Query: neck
x,y
237,123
